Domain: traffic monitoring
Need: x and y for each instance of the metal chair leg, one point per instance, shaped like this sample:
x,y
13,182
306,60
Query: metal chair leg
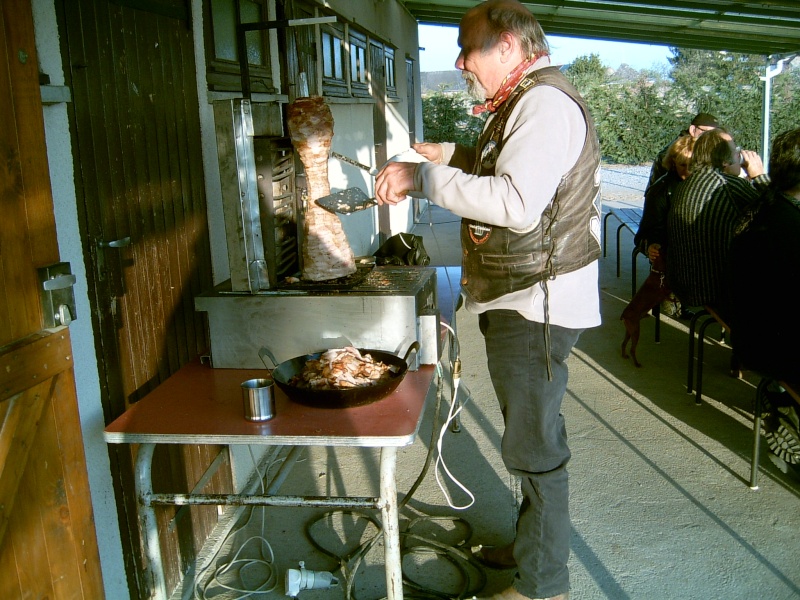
x,y
605,237
701,336
757,410
690,370
619,229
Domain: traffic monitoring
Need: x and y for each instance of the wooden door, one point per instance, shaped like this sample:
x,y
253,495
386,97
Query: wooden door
x,y
48,547
139,182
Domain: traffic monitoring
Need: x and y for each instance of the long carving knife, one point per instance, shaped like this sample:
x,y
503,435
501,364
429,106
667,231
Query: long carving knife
x,y
355,163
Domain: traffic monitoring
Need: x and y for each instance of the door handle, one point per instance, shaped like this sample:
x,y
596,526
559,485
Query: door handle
x,y
100,259
120,243
59,282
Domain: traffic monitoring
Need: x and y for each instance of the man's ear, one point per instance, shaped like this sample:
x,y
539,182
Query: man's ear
x,y
507,46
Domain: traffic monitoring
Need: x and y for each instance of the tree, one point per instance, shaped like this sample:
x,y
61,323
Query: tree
x,y
587,73
785,102
447,117
637,114
633,122
724,84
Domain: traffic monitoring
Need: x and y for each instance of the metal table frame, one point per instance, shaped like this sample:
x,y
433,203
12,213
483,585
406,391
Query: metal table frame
x,y
202,405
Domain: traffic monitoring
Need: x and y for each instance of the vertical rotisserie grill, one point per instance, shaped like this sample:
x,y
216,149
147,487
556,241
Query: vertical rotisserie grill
x,y
266,304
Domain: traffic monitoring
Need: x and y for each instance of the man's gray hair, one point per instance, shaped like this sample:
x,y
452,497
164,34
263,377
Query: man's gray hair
x,y
712,150
513,17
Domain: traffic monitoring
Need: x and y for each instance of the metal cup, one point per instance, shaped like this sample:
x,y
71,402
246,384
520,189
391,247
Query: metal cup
x,y
258,396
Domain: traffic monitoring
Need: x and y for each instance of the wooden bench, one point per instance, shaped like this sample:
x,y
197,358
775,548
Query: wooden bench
x,y
761,391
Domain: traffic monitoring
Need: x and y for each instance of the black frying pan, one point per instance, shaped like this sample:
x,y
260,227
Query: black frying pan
x,y
344,397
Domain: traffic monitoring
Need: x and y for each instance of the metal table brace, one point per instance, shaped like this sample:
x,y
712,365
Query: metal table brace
x,y
386,502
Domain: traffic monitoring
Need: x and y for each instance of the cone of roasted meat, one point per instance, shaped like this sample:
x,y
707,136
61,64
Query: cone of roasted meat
x,y
326,252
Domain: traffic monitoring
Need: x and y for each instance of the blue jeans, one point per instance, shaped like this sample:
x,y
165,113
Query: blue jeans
x,y
534,445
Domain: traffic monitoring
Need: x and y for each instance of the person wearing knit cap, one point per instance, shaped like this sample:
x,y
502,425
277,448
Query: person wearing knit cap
x,y
529,200
704,120
701,123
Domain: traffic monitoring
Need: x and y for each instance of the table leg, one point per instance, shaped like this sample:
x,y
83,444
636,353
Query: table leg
x,y
391,526
154,570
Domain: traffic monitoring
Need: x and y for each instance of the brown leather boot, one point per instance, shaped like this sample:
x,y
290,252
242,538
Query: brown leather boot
x,y
495,557
512,594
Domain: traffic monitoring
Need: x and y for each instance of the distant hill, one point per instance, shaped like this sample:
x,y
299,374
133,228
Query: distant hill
x,y
451,80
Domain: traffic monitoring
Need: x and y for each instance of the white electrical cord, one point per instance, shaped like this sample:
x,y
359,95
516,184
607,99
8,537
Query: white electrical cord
x,y
455,408
228,577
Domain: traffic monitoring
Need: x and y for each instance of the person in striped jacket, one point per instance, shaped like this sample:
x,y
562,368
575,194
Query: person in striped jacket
x,y
706,209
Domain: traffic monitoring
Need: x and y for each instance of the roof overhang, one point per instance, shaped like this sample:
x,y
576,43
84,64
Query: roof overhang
x,y
770,27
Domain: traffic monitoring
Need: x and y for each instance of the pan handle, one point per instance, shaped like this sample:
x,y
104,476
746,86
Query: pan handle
x,y
268,353
414,347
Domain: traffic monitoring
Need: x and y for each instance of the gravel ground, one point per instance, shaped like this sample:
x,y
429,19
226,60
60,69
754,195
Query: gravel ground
x,y
624,184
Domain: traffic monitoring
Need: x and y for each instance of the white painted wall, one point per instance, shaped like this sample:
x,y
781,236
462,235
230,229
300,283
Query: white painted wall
x,y
353,137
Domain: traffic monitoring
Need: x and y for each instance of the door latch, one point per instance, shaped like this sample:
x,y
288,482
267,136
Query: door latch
x,y
57,295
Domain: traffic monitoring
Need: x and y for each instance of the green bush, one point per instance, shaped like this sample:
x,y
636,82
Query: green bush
x,y
637,113
447,117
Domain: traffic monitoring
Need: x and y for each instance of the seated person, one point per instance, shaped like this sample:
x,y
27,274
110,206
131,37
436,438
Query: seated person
x,y
701,123
705,211
765,262
651,238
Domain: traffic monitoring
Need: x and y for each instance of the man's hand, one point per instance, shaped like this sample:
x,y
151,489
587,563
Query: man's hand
x,y
394,181
653,251
752,163
433,152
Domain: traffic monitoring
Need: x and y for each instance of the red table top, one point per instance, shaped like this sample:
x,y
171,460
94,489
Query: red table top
x,y
203,405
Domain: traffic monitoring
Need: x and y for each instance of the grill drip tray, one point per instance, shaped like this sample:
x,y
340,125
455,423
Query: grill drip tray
x,y
329,285
368,279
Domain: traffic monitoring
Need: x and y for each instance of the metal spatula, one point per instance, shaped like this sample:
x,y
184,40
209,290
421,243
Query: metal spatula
x,y
347,201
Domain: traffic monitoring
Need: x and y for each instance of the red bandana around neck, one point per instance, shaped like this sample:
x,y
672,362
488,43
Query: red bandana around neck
x,y
509,83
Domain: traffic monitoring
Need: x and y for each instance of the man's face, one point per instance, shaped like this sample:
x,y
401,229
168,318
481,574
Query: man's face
x,y
733,167
474,87
478,67
697,130
682,166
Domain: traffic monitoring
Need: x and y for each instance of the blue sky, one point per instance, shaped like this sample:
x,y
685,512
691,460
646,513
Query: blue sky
x,y
441,50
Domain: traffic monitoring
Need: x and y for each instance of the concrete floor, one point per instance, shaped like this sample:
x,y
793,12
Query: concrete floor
x,y
660,503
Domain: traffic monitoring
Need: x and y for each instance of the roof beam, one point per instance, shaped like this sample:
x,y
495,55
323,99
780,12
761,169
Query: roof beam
x,y
765,27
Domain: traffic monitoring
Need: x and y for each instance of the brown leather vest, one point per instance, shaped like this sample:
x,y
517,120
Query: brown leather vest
x,y
500,260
